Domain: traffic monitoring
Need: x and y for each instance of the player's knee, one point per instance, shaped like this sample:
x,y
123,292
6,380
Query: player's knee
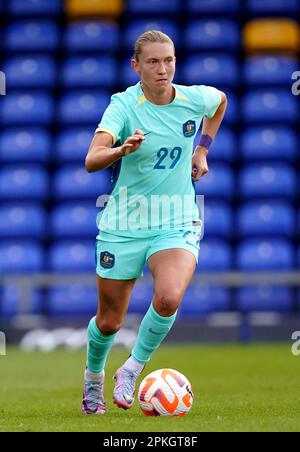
x,y
166,304
108,326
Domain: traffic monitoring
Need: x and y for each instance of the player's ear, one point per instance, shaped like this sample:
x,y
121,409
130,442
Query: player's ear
x,y
135,65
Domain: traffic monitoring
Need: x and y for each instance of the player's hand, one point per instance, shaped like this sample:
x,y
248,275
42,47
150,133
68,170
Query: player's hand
x,y
132,143
199,163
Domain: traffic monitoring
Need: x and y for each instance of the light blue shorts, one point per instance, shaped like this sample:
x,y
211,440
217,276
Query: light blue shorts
x,y
126,258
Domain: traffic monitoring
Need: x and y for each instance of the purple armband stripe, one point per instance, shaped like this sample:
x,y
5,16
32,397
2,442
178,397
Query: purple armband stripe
x,y
205,141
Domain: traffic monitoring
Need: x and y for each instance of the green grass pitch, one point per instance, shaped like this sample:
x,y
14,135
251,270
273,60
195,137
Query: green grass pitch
x,y
236,387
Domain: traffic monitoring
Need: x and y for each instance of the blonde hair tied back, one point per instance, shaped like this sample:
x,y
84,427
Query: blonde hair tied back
x,y
150,36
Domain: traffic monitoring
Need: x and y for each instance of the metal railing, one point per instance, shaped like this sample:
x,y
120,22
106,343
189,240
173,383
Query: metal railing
x,y
29,282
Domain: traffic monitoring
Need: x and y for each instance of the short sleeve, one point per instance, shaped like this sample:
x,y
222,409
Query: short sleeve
x,y
114,119
211,99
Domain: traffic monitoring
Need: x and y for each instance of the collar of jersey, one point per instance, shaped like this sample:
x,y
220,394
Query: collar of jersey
x,y
143,98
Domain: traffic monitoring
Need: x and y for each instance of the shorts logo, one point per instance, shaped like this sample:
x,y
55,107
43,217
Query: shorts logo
x,y
107,260
192,238
189,128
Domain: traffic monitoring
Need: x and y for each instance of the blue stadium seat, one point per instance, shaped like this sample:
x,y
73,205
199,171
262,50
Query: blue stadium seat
x,y
215,254
224,145
264,298
11,302
273,6
83,107
218,219
28,182
217,183
268,143
298,296
92,36
34,108
30,71
73,182
152,7
265,254
202,299
259,218
70,256
75,299
81,216
267,180
136,27
232,114
269,106
21,256
208,70
22,220
212,34
141,297
39,35
269,70
128,76
73,144
89,71
35,7
213,6
25,145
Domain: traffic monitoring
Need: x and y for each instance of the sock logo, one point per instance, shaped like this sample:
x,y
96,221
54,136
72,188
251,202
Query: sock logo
x,y
107,260
151,331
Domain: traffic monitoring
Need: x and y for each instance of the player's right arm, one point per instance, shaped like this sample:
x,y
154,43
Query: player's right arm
x,y
101,154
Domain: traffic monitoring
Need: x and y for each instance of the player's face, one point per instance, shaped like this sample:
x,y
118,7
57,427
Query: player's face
x,y
156,66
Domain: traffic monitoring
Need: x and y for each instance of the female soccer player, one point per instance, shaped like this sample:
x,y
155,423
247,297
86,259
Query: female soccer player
x,y
151,214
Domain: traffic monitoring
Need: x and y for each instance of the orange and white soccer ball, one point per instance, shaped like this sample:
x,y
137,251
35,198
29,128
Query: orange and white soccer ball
x,y
165,392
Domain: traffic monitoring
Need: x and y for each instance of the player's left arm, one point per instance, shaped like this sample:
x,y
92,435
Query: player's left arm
x,y
210,127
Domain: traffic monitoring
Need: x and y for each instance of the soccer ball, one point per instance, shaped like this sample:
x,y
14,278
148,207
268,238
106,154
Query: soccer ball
x,y
165,392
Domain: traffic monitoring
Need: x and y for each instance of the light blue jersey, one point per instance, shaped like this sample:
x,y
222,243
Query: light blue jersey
x,y
152,188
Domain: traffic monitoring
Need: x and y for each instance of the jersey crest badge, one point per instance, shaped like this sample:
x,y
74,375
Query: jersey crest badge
x,y
189,128
107,260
